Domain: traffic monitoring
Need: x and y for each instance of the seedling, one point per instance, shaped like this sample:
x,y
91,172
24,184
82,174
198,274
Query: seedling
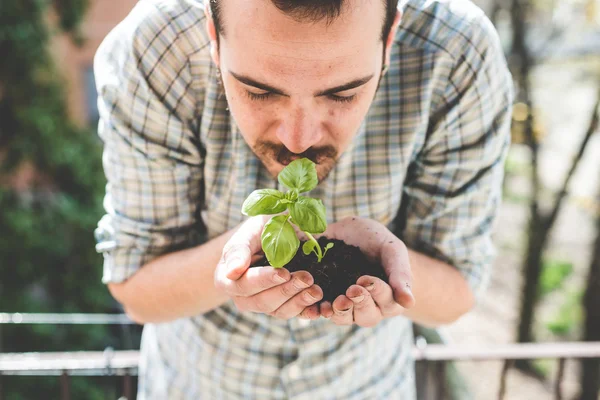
x,y
278,239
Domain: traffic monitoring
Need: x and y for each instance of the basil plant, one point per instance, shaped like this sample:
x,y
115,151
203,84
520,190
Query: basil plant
x,y
278,239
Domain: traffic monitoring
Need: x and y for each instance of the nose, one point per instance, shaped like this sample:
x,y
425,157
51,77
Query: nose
x,y
299,130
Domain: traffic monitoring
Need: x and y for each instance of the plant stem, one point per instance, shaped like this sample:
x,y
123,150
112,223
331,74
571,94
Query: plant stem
x,y
319,253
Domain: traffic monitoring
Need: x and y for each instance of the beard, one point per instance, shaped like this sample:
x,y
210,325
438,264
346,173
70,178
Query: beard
x,y
276,156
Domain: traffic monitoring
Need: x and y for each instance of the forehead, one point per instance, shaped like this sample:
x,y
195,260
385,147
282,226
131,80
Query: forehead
x,y
260,36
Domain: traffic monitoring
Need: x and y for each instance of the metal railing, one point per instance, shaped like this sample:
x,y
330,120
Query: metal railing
x,y
65,319
124,363
439,354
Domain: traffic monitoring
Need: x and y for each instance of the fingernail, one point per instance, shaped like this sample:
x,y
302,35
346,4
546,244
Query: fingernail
x,y
300,284
407,289
278,278
358,299
341,312
309,296
370,286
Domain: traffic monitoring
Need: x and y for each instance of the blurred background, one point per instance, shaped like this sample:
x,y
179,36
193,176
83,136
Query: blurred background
x,y
546,283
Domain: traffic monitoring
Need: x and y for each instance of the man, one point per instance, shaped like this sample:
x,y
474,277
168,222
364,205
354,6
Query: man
x,y
405,110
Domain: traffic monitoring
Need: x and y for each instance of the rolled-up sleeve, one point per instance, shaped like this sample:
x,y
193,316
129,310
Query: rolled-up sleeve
x,y
453,188
152,157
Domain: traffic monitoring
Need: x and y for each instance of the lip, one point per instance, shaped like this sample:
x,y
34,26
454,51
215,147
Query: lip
x,y
289,160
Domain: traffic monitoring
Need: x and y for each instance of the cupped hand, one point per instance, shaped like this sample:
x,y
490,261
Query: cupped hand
x,y
268,290
371,299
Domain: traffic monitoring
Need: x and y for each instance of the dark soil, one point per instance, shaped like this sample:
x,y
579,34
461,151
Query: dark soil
x,y
340,268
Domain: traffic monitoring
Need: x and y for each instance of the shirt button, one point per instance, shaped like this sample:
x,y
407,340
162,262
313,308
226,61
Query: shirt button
x,y
294,372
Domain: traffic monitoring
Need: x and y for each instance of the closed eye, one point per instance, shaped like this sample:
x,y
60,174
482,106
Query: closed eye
x,y
258,96
267,95
342,99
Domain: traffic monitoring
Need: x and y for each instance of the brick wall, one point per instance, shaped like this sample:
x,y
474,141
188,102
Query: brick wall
x,y
75,62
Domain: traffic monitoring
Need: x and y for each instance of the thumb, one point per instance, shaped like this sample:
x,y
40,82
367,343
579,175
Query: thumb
x,y
237,261
396,263
237,253
401,286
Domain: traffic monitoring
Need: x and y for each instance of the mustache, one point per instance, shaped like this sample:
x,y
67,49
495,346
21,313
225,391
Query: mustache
x,y
284,156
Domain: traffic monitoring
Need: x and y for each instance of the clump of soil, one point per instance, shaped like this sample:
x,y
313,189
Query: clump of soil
x,y
340,268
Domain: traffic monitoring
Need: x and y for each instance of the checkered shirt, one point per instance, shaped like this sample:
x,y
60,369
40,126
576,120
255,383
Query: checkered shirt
x,y
427,162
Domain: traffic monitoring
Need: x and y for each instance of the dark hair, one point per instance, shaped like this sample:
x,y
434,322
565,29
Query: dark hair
x,y
314,11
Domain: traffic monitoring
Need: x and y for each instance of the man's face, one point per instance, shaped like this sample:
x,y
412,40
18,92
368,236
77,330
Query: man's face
x,y
299,89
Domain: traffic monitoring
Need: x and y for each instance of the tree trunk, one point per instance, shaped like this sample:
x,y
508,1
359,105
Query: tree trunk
x,y
532,269
590,378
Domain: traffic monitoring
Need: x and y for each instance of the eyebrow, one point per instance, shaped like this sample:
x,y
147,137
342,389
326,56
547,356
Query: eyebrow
x,y
263,86
346,86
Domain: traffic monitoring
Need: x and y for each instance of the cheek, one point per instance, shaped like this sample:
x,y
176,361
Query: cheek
x,y
339,126
343,122
347,117
253,119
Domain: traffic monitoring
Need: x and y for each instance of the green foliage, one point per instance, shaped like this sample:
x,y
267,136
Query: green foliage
x,y
300,175
70,14
543,367
311,246
554,273
309,214
569,315
47,249
308,246
264,202
279,240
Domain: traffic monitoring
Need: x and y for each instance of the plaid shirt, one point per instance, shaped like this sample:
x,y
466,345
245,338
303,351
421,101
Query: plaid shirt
x,y
427,162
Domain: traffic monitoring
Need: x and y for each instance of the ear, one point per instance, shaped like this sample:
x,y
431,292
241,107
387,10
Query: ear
x,y
391,36
211,29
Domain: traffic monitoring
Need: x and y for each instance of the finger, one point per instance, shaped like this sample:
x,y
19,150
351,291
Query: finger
x,y
342,311
299,302
239,249
326,309
310,312
237,261
269,300
254,281
366,313
394,258
402,291
382,295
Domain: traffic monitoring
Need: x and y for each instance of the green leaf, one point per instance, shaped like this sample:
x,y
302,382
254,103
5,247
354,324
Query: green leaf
x,y
327,247
279,241
569,315
308,246
299,174
309,214
263,201
292,195
553,276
